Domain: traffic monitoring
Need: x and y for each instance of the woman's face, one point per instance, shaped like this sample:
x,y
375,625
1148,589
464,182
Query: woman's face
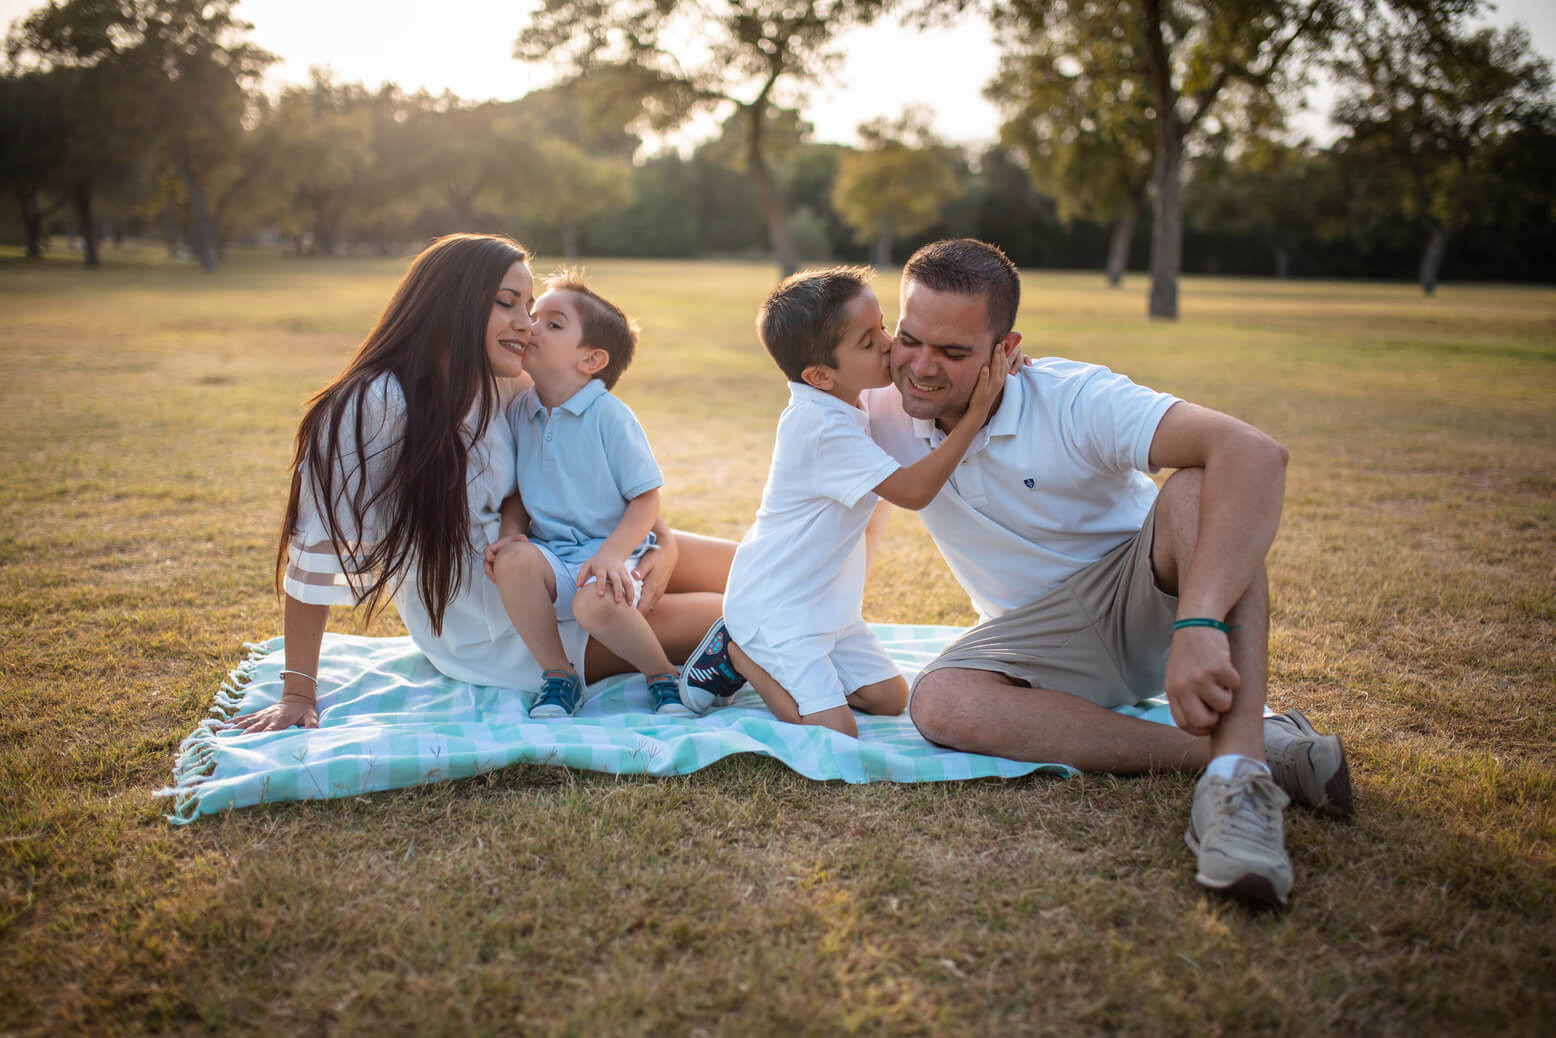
x,y
508,328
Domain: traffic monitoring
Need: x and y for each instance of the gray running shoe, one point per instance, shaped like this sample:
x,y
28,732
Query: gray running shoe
x,y
1310,767
1239,836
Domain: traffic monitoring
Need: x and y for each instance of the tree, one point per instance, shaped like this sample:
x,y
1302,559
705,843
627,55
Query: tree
x,y
673,58
574,187
1196,57
1077,111
1429,110
102,90
1282,194
33,142
326,160
144,78
897,184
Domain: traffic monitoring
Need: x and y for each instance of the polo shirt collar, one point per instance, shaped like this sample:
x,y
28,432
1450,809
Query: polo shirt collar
x,y
800,392
1006,420
578,403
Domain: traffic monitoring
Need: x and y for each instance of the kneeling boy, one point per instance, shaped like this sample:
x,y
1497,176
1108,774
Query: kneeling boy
x,y
792,624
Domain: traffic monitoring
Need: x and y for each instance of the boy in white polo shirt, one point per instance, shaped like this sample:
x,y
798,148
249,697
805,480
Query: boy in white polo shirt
x,y
588,494
791,622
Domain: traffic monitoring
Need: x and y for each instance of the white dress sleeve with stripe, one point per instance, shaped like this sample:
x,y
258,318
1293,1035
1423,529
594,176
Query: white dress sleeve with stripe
x,y
320,566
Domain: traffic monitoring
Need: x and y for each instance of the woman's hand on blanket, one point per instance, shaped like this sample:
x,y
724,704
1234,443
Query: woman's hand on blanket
x,y
1201,679
291,711
489,556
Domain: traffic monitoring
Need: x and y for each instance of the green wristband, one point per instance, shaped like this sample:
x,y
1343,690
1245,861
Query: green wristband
x,y
1202,621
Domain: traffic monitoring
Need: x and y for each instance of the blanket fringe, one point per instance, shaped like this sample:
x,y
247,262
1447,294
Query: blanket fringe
x,y
196,757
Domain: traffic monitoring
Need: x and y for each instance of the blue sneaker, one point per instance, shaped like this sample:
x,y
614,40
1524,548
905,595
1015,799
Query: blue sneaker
x,y
559,696
666,697
709,673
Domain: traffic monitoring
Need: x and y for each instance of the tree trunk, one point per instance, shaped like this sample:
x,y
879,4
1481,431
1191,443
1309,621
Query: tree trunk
x,y
569,241
86,225
202,235
767,194
880,254
1167,225
170,226
32,223
1166,174
1118,245
1282,262
1432,259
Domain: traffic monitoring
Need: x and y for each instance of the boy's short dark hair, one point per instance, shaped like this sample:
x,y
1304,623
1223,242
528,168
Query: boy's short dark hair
x,y
603,324
970,267
804,318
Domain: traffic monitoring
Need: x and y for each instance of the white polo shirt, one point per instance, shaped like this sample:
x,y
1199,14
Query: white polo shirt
x,y
578,466
800,568
1053,482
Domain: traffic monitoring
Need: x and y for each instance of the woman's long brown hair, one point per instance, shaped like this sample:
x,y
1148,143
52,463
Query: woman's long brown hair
x,y
432,338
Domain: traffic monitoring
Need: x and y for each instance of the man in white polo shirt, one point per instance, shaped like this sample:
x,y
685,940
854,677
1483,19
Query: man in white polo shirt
x,y
1093,590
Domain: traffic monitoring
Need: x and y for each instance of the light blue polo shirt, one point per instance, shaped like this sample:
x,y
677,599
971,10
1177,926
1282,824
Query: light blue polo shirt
x,y
578,466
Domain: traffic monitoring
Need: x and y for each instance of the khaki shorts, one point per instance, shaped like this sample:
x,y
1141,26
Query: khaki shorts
x,y
1103,634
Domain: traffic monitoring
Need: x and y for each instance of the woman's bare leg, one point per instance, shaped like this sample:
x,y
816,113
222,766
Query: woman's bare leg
x,y
679,621
703,565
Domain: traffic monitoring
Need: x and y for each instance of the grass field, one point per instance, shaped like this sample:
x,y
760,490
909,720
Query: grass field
x,y
146,413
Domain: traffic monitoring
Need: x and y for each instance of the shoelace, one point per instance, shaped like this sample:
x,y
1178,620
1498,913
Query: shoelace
x,y
664,692
557,692
1250,810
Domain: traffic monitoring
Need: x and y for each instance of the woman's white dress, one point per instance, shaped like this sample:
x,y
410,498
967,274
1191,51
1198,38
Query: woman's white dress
x,y
478,643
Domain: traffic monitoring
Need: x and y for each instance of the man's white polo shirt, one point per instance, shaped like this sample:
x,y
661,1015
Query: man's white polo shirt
x,y
1053,482
800,568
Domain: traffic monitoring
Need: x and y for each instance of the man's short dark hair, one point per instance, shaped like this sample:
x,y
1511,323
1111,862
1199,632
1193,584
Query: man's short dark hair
x,y
968,267
602,323
803,319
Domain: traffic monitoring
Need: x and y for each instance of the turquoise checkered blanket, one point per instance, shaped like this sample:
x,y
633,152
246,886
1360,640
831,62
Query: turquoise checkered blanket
x,y
388,720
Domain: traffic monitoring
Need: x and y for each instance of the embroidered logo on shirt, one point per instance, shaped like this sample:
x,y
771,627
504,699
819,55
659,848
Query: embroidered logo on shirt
x,y
1030,482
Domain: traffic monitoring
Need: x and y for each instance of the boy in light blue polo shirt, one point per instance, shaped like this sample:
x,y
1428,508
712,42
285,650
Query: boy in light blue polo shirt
x,y
588,494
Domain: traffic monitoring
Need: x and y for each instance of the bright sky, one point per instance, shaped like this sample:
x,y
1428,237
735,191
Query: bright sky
x,y
466,46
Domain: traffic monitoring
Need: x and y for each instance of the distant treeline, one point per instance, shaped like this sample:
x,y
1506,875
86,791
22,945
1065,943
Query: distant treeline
x,y
144,118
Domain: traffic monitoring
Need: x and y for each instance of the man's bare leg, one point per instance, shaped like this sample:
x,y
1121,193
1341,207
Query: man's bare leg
x,y
1240,729
981,711
986,712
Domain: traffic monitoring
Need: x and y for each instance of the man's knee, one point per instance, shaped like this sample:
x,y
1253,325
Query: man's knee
x,y
933,708
1178,501
1176,526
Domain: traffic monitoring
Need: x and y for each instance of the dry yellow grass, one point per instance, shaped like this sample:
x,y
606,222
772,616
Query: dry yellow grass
x,y
146,413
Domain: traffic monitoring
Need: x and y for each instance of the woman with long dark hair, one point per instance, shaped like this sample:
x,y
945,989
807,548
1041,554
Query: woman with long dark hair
x,y
400,469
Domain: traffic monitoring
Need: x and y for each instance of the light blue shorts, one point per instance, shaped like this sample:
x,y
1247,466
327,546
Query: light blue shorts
x,y
566,574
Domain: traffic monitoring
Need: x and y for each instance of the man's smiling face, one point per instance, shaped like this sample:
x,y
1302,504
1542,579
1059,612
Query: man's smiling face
x,y
942,341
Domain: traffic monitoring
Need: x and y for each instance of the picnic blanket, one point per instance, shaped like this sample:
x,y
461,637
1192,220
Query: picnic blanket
x,y
388,720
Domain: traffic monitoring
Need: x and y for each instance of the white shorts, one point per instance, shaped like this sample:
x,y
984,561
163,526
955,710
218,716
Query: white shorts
x,y
820,670
566,574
